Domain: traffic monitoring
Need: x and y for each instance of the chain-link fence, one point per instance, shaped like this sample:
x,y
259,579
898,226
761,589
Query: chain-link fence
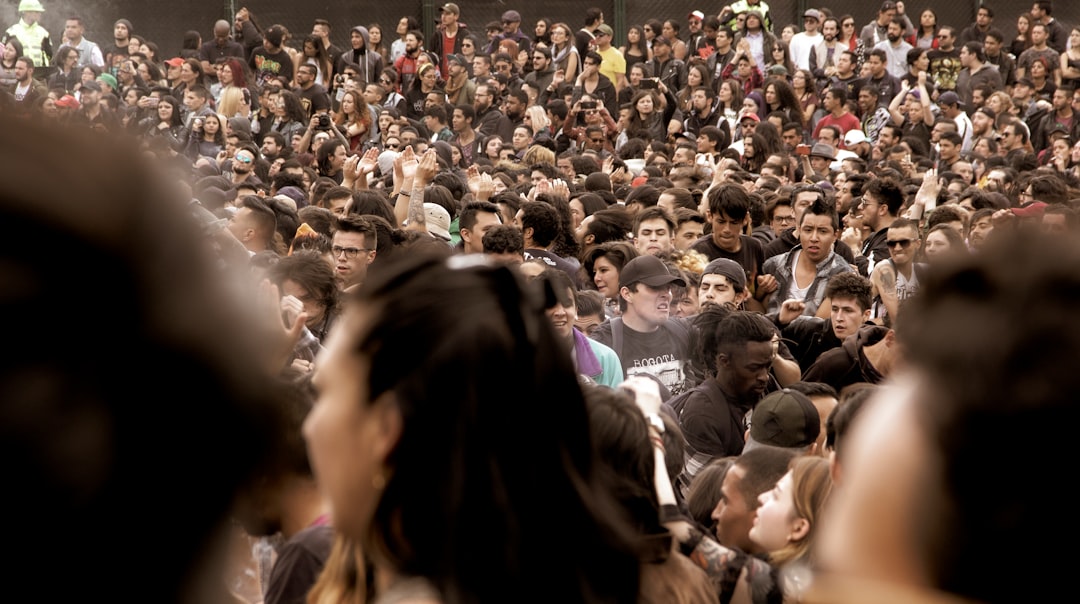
x,y
165,22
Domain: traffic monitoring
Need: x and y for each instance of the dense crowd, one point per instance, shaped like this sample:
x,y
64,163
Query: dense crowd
x,y
530,288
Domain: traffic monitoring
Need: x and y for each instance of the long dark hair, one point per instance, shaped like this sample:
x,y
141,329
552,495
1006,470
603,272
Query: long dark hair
x,y
475,483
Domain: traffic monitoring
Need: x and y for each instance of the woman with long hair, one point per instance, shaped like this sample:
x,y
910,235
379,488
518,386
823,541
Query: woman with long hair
x,y
754,155
925,35
420,477
802,84
415,97
942,242
314,53
564,52
353,118
636,49
848,36
235,96
377,44
697,74
330,159
289,116
207,136
1022,41
779,54
542,32
66,61
650,114
151,74
166,122
1070,61
730,99
13,49
191,74
779,96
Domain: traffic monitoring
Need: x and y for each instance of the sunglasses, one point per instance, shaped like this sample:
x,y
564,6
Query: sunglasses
x,y
244,159
903,243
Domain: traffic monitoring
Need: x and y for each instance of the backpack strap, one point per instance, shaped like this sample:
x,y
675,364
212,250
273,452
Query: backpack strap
x,y
617,336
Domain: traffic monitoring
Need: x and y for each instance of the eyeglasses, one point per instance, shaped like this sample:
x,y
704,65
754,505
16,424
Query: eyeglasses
x,y
385,81
848,25
393,147
244,159
784,219
903,243
350,252
1026,194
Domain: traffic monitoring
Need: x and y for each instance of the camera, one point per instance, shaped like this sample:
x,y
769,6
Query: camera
x,y
588,104
339,79
648,84
324,121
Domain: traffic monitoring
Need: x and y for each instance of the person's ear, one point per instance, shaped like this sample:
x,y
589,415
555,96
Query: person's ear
x,y
384,431
799,530
589,239
866,315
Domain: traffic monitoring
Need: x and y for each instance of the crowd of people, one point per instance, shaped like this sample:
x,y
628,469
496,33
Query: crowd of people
x,y
500,312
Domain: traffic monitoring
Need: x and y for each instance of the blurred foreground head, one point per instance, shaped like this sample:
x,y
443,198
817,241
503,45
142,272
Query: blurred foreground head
x,y
131,402
958,461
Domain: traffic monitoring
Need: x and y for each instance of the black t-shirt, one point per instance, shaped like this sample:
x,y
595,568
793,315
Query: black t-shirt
x,y
662,354
269,67
314,99
751,254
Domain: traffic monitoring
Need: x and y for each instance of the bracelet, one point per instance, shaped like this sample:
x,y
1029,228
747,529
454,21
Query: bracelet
x,y
404,192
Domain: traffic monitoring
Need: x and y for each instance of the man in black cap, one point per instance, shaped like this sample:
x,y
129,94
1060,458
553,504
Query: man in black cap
x,y
646,338
787,419
270,62
665,66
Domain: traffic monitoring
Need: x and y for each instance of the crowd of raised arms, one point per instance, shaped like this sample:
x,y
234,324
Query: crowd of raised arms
x,y
516,313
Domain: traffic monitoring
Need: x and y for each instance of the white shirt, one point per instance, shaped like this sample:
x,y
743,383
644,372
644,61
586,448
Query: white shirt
x,y
802,44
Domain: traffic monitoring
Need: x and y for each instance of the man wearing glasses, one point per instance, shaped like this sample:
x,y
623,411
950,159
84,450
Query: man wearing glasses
x,y
896,278
354,249
489,120
881,202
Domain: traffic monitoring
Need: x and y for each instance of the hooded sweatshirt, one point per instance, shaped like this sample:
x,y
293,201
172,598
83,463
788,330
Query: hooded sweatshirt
x,y
369,64
848,364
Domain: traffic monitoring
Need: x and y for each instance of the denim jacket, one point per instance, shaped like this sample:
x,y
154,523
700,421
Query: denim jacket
x,y
782,267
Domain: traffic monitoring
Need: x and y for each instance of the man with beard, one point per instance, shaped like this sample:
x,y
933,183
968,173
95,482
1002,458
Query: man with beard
x,y
489,120
826,53
896,48
448,35
243,166
881,203
460,90
407,65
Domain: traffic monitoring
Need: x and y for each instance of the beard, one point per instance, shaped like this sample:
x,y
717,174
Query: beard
x,y
892,38
830,37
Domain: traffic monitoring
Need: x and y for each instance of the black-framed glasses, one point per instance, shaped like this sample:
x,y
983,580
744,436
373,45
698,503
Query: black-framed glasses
x,y
350,252
903,243
393,147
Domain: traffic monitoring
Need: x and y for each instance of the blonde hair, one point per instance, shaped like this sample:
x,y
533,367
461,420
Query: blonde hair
x,y
232,99
811,484
538,117
538,154
342,580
